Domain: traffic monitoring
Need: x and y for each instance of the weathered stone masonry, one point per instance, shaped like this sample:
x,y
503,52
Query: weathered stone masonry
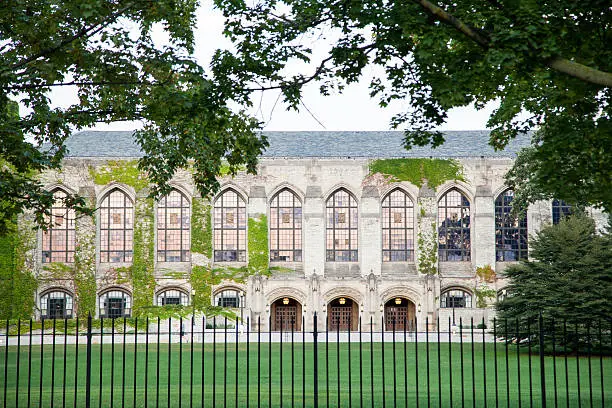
x,y
314,283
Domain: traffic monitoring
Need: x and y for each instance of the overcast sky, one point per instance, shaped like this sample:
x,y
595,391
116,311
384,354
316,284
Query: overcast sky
x,y
352,110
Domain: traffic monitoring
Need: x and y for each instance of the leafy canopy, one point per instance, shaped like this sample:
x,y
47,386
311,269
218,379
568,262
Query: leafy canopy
x,y
550,59
105,52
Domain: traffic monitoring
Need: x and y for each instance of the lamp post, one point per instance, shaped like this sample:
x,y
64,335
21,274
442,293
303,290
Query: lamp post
x,y
241,306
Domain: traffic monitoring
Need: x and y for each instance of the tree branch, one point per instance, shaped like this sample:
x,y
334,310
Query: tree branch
x,y
453,21
559,64
86,31
304,80
580,71
81,83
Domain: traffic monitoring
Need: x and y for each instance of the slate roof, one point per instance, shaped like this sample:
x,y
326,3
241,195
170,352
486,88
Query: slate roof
x,y
379,144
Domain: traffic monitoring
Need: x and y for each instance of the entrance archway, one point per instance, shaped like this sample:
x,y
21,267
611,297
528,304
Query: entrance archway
x,y
286,315
342,314
401,312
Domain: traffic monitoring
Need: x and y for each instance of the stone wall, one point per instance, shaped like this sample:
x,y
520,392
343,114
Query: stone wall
x,y
314,283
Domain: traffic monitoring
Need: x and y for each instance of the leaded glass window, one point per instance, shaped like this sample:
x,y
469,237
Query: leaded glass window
x,y
56,304
116,227
228,298
172,297
173,221
230,228
510,231
454,227
398,227
285,227
342,231
58,240
560,209
115,303
455,298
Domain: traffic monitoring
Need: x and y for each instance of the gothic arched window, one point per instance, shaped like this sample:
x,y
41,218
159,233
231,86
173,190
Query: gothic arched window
x,y
285,227
58,240
116,227
342,232
560,209
173,221
454,227
510,231
397,227
230,227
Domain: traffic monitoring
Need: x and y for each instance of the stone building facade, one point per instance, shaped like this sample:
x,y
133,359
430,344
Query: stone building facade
x,y
343,241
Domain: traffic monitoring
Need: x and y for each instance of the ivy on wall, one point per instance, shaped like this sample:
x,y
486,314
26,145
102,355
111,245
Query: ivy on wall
x,y
85,267
486,273
201,228
259,255
17,282
143,264
142,271
428,251
120,171
204,277
483,295
415,171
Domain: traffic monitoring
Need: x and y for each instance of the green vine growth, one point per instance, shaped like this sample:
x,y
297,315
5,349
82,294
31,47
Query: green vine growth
x,y
483,294
486,273
428,251
201,228
17,282
416,171
259,255
120,171
204,277
143,265
85,267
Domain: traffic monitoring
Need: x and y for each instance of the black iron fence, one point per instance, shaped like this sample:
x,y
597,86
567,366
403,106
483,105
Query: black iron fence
x,y
182,363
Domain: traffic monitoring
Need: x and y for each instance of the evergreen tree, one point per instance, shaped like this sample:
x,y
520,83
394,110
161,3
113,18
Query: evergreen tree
x,y
567,279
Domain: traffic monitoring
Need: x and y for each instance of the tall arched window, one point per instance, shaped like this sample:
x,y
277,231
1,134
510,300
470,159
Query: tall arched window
x,y
454,227
342,232
172,297
116,227
173,220
285,227
398,227
59,240
230,227
510,232
560,209
115,303
56,304
455,298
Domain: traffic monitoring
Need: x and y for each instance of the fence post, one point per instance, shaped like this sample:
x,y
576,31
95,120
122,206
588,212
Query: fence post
x,y
88,364
315,367
542,372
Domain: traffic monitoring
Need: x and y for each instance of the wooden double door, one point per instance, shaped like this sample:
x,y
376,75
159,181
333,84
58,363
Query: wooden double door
x,y
286,318
340,318
399,317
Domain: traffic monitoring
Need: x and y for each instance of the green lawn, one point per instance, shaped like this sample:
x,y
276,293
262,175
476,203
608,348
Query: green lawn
x,y
154,386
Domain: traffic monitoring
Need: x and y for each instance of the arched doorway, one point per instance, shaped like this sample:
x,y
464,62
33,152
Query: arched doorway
x,y
342,314
401,312
286,315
